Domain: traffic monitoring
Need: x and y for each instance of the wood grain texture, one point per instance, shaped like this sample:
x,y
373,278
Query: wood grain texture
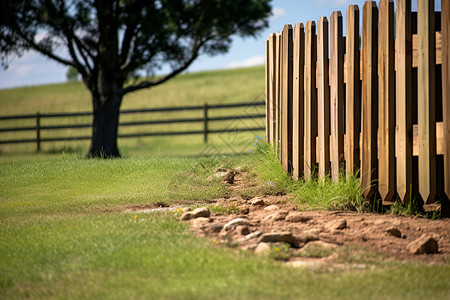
x,y
426,100
298,101
353,91
286,99
267,93
403,59
323,98
445,29
310,99
369,108
278,90
336,94
272,89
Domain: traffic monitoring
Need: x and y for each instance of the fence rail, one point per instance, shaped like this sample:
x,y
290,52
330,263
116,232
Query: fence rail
x,y
205,120
378,104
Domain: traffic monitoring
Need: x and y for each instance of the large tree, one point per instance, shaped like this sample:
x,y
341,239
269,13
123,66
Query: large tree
x,y
107,40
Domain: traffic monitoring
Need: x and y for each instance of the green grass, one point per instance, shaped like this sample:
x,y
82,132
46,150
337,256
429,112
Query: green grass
x,y
64,234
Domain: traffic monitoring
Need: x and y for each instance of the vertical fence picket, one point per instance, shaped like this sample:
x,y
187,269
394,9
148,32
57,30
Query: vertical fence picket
x,y
310,99
272,90
277,88
323,98
403,63
353,94
369,107
386,101
298,101
336,94
426,99
445,30
267,80
286,99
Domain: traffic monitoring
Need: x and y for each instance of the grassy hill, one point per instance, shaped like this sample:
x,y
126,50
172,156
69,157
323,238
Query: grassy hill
x,y
212,87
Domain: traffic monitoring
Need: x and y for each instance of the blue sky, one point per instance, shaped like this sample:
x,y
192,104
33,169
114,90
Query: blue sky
x,y
33,69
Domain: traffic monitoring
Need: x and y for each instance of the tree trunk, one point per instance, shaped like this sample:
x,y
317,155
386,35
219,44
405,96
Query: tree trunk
x,y
105,126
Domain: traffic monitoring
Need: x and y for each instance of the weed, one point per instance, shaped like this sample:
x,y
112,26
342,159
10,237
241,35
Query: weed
x,y
221,209
279,251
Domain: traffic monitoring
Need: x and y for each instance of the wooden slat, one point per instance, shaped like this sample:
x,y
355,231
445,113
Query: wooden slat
x,y
438,49
336,94
323,98
268,98
310,99
286,99
369,109
298,101
277,89
403,56
353,94
272,88
426,100
445,29
386,111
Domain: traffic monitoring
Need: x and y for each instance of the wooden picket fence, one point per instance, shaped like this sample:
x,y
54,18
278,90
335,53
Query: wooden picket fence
x,y
377,104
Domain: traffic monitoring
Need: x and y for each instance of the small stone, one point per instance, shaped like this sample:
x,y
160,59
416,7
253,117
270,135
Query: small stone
x,y
262,248
200,222
253,235
403,236
234,223
276,216
336,225
278,237
186,209
257,202
227,176
242,230
213,228
272,208
186,216
244,210
394,231
201,212
423,245
296,217
307,237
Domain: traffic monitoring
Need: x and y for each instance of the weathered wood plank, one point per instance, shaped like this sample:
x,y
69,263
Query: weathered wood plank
x,y
353,94
445,29
310,99
278,89
403,56
268,98
386,111
369,108
298,101
438,43
272,89
286,99
336,94
426,100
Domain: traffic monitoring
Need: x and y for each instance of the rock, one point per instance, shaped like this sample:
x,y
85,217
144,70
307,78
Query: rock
x,y
394,231
234,223
307,237
186,216
201,212
271,208
278,237
262,248
276,216
423,245
257,201
336,225
186,209
213,228
244,210
200,222
242,230
253,235
227,176
296,216
403,236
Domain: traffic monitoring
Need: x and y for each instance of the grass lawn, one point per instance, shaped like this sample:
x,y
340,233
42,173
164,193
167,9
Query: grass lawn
x,y
64,234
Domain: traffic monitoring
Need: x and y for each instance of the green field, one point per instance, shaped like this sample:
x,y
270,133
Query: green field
x,y
68,229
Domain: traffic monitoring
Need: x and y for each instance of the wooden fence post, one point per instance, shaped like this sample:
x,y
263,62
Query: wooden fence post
x,y
369,108
278,89
386,111
298,101
272,88
445,29
205,123
353,91
336,94
403,64
426,100
310,99
323,97
38,132
268,98
286,99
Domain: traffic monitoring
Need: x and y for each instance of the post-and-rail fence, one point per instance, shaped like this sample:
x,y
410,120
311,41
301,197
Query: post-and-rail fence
x,y
378,104
205,120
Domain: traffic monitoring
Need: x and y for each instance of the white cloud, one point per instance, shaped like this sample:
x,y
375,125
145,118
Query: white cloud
x,y
256,60
277,13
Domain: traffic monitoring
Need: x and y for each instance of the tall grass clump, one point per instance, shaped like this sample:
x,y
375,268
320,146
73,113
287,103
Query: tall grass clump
x,y
346,194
